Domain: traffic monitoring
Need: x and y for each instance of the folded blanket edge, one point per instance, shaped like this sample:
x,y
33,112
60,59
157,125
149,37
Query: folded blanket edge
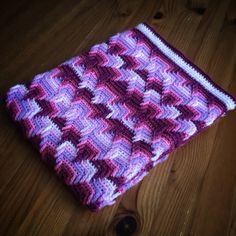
x,y
189,67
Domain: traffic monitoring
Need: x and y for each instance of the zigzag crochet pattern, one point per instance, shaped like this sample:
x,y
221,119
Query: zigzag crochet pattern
x,y
104,118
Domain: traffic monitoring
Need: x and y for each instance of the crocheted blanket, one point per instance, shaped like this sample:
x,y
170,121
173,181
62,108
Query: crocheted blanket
x,y
104,118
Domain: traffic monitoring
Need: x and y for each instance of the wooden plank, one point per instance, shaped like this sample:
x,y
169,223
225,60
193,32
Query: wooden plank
x,y
192,193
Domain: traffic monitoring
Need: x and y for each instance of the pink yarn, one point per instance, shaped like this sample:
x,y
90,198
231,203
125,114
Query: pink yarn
x,y
104,118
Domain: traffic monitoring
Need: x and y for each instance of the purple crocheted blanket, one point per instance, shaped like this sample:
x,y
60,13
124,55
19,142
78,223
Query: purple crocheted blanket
x,y
104,118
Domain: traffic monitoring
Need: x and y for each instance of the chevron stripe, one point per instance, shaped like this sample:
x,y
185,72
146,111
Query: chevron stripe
x,y
105,118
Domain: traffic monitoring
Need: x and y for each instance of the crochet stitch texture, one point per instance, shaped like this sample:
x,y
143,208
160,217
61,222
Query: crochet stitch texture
x,y
104,118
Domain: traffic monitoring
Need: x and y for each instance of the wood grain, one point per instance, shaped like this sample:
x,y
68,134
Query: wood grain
x,y
192,193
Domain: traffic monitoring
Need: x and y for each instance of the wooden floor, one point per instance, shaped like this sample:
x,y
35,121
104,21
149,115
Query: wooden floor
x,y
192,193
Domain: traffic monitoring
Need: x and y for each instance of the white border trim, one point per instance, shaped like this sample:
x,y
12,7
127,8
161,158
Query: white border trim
x,y
180,61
